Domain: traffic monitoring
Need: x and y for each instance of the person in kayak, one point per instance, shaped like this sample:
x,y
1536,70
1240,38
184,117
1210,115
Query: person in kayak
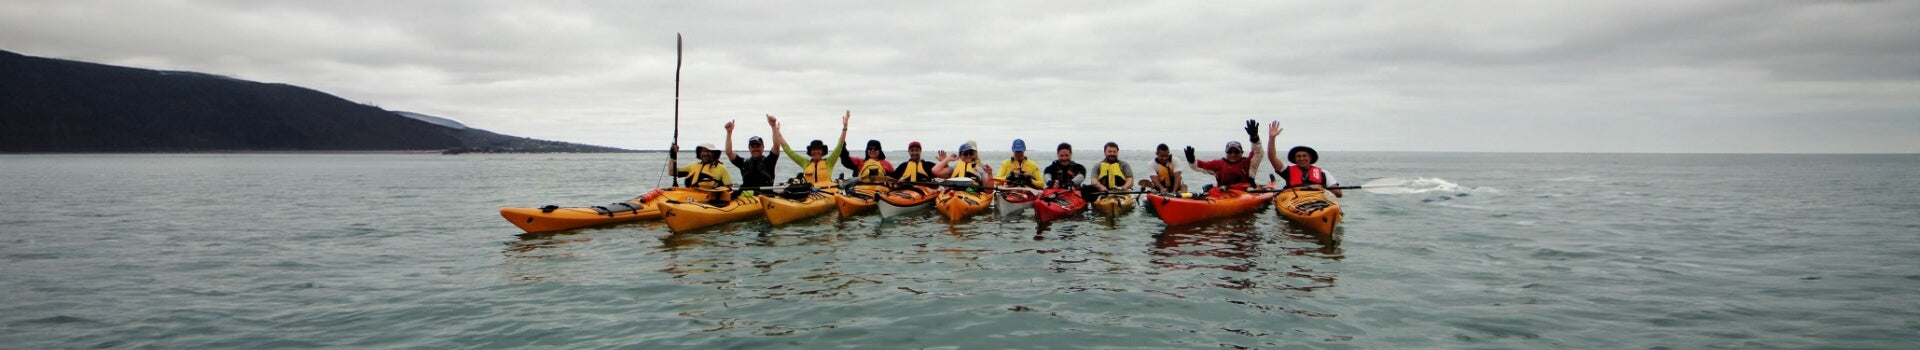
x,y
1165,178
1064,172
1235,171
1113,174
1302,173
967,165
1019,171
817,166
708,174
914,169
873,168
757,171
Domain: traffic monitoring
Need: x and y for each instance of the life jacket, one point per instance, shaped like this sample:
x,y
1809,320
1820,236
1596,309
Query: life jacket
x,y
912,171
1312,176
965,169
704,177
1165,172
819,173
1234,174
1110,175
872,170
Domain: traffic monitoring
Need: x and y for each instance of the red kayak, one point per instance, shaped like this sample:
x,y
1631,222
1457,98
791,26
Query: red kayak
x,y
1176,211
1057,203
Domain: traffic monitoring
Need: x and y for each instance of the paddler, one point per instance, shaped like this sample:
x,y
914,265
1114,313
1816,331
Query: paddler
x,y
914,169
1064,172
708,174
817,166
759,170
966,164
1302,173
1165,178
1113,174
1019,171
1235,171
871,169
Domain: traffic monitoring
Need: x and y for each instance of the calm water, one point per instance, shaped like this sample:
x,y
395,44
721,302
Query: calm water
x,y
1511,251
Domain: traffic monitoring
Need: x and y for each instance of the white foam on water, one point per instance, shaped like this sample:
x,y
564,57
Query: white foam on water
x,y
1420,185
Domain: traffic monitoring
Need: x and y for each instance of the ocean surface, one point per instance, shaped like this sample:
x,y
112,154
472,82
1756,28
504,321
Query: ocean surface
x,y
1521,251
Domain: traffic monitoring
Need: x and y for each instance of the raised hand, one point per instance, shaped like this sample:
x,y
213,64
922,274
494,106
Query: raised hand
x,y
771,121
1189,153
729,126
1273,129
844,118
1253,131
941,155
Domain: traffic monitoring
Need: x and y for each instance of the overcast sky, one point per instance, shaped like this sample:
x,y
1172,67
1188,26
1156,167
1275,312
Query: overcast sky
x,y
1522,76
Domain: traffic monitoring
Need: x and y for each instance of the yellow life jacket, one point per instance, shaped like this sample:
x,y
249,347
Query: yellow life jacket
x,y
911,171
965,169
1165,171
871,170
1111,176
819,172
706,176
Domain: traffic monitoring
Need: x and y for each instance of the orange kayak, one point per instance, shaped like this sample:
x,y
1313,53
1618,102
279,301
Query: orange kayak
x,y
554,218
863,197
906,201
957,205
1176,211
1309,208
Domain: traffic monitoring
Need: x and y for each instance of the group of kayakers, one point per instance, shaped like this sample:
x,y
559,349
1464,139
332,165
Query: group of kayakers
x,y
1235,171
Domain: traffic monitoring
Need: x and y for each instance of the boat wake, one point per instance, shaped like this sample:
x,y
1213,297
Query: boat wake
x,y
1393,185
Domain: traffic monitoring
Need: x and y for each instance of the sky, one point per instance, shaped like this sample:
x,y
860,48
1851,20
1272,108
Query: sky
x,y
1455,76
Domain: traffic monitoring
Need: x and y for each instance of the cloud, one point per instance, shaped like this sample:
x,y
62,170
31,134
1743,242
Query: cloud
x,y
1679,76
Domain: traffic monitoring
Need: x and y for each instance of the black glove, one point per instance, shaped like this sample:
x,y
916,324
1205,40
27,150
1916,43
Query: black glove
x,y
1189,154
1253,133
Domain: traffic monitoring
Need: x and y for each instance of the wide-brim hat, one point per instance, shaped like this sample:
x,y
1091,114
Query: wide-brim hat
x,y
817,144
1312,155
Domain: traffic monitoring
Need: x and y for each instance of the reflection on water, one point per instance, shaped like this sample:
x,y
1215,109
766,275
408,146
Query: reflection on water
x,y
1241,247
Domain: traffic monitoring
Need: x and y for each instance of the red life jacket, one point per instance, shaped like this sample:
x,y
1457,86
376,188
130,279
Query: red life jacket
x,y
1312,176
1234,174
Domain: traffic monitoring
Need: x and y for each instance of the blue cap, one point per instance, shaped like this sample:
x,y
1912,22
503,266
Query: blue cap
x,y
966,146
1019,145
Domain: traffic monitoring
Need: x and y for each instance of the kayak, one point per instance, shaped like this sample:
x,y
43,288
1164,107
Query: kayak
x,y
555,218
1176,211
1310,208
905,201
1057,203
683,216
1113,204
789,208
1009,202
958,204
863,197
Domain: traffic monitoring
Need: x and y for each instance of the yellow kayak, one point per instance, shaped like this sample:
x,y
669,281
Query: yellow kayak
x,y
554,218
957,204
1113,204
783,209
683,216
862,198
1309,208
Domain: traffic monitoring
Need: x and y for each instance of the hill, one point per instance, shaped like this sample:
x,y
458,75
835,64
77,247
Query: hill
x,y
53,105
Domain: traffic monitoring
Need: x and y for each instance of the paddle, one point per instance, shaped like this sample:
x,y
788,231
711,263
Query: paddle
x,y
673,156
1385,185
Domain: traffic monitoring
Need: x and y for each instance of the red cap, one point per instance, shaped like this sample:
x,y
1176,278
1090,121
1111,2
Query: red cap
x,y
915,144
